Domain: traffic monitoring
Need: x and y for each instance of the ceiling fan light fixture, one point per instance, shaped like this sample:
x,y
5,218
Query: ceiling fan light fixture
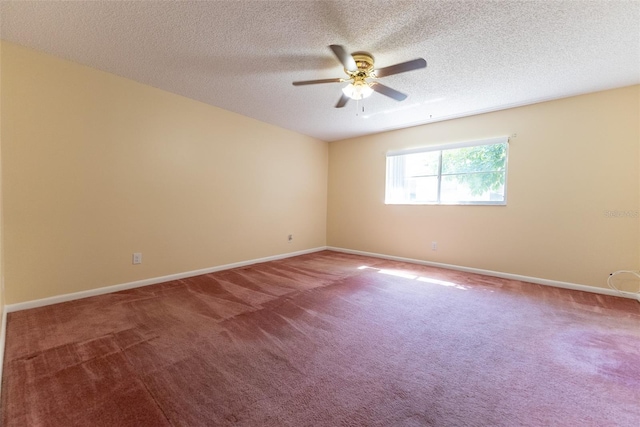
x,y
359,67
357,90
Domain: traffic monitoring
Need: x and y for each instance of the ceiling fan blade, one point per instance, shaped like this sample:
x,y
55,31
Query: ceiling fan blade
x,y
315,82
416,64
344,57
342,101
387,91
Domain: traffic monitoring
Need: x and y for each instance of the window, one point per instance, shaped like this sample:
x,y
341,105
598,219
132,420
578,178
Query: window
x,y
465,173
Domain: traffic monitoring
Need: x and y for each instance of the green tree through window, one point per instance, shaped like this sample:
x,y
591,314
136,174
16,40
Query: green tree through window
x,y
481,168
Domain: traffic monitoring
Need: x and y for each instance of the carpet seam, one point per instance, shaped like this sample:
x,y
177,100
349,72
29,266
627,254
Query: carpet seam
x,y
146,387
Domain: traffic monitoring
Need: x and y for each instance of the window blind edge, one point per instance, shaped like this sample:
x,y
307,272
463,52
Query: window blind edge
x,y
449,146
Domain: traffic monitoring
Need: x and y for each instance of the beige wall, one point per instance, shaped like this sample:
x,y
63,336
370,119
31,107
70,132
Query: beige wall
x,y
1,209
572,159
96,167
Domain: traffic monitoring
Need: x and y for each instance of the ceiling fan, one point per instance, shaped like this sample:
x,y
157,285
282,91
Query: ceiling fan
x,y
362,75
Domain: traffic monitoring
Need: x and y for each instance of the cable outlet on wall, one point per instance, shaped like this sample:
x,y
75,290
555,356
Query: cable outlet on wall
x,y
434,246
137,258
290,238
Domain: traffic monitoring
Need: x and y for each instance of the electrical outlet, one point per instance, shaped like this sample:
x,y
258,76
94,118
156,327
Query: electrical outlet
x,y
434,246
137,258
290,238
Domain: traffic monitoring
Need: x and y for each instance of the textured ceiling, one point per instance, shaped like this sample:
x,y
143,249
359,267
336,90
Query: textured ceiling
x,y
243,55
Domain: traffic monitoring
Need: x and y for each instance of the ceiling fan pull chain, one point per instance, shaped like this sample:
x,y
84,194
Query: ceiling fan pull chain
x,y
358,107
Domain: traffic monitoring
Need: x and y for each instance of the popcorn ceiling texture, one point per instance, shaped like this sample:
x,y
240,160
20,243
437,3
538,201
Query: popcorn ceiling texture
x,y
243,55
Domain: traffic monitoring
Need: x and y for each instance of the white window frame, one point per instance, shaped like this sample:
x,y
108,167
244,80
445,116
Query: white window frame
x,y
441,148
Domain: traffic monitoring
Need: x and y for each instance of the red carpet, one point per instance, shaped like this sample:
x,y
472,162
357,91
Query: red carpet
x,y
317,341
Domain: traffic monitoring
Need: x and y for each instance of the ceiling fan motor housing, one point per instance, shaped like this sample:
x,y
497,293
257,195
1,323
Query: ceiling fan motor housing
x,y
364,62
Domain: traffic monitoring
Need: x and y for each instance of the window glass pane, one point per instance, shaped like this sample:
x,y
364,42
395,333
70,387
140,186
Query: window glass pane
x,y
423,189
395,189
412,178
422,164
473,187
482,158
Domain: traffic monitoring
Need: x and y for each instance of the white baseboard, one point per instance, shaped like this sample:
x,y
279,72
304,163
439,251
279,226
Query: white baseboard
x,y
155,280
146,282
537,280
